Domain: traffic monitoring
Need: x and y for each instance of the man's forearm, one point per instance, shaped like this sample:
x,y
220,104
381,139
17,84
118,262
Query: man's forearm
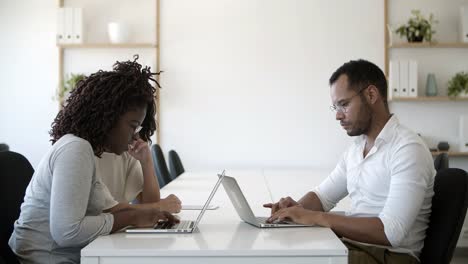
x,y
362,229
311,201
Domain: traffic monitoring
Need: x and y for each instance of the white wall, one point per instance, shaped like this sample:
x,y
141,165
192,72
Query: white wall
x,y
246,82
29,68
27,75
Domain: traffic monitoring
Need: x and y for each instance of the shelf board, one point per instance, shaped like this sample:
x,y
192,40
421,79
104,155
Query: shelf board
x,y
429,45
451,153
107,46
429,99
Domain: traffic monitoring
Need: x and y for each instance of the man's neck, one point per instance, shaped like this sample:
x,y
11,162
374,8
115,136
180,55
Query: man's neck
x,y
378,123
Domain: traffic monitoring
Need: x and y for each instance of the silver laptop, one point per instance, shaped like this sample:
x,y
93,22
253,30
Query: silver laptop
x,y
243,209
182,226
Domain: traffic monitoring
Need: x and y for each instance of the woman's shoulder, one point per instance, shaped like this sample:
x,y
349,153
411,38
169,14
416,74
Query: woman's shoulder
x,y
72,142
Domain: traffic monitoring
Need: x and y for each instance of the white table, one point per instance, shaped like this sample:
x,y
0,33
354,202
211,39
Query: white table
x,y
222,237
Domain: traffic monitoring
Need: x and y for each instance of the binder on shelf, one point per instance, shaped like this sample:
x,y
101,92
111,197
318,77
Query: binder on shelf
x,y
394,80
68,25
60,26
77,26
464,133
413,79
463,27
404,78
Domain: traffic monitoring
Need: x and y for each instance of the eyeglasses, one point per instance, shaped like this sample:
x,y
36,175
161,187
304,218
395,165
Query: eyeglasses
x,y
138,129
343,107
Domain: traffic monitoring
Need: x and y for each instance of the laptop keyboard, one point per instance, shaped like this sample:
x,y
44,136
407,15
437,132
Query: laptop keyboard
x,y
163,225
167,225
263,220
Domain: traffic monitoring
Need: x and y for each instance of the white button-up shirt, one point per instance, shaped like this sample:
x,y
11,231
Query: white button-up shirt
x,y
393,182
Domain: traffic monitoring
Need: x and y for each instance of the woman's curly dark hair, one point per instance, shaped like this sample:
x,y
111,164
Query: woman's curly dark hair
x,y
96,104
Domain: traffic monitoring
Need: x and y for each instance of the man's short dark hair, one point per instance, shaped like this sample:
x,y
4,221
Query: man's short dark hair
x,y
362,73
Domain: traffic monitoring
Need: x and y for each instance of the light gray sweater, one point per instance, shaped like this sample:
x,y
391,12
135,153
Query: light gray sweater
x,y
62,208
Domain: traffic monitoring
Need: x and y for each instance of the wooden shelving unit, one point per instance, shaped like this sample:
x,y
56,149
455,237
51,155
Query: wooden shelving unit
x,y
396,47
108,46
62,47
451,153
430,99
428,45
405,45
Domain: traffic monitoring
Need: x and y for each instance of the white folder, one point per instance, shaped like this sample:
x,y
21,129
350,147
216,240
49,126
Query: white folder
x,y
463,133
463,25
77,27
413,78
60,26
394,80
68,25
404,78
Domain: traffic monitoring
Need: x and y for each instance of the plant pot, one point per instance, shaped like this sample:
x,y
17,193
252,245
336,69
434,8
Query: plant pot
x,y
463,94
414,38
118,32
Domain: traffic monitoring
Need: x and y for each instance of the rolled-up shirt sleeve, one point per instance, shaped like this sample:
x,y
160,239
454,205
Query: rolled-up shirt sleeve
x,y
333,188
73,169
411,173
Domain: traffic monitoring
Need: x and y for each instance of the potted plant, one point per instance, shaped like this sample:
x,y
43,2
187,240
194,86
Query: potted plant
x,y
458,85
418,28
68,84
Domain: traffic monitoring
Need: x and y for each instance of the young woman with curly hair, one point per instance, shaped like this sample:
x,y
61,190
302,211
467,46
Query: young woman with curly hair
x,y
63,206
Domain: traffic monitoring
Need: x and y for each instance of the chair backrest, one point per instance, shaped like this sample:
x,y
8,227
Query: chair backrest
x,y
15,175
175,164
4,147
441,162
448,213
160,166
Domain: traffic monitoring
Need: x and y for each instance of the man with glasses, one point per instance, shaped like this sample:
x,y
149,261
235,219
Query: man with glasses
x,y
387,173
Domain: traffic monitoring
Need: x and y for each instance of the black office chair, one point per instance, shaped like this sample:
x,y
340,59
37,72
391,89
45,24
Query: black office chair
x,y
448,213
15,174
160,166
4,147
441,162
175,164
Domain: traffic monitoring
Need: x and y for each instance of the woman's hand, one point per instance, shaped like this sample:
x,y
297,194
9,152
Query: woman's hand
x,y
140,150
150,217
171,204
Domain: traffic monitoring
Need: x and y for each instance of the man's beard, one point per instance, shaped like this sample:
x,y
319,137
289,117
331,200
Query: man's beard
x,y
362,125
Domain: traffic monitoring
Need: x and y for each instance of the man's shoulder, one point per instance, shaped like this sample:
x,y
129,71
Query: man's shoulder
x,y
404,135
407,142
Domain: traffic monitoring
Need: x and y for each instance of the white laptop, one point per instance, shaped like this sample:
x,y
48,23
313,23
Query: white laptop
x,y
182,226
243,209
